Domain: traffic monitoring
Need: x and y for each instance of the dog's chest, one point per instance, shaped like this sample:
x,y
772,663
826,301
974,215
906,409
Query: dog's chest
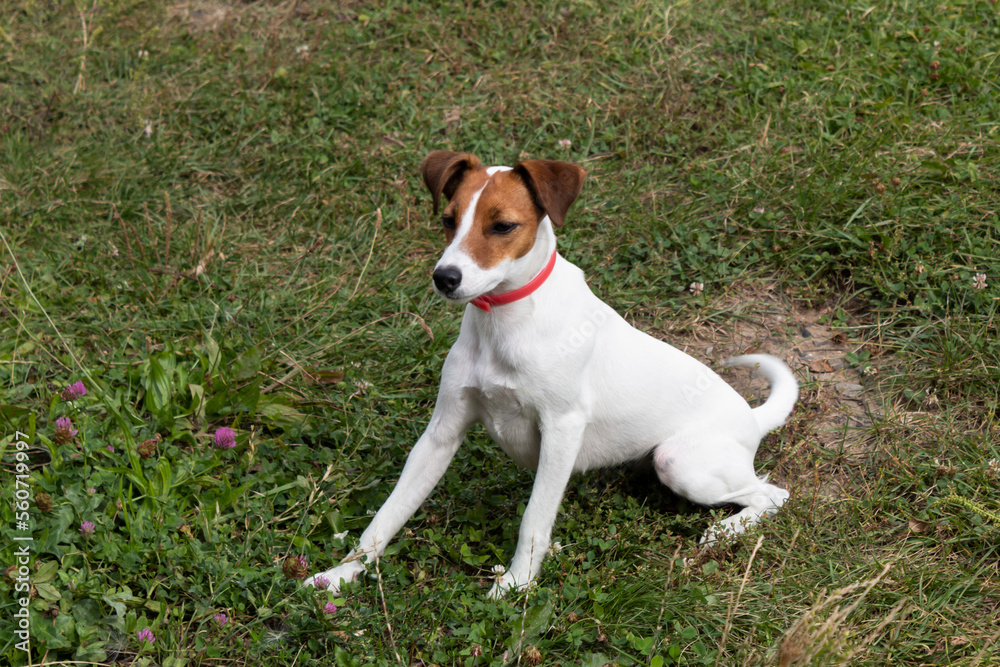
x,y
506,408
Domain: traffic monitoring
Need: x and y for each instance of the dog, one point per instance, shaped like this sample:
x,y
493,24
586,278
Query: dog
x,y
561,382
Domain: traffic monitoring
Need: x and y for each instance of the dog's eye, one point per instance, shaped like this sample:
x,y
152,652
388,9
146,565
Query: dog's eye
x,y
448,221
503,227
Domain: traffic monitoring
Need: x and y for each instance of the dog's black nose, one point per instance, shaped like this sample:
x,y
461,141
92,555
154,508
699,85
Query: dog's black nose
x,y
447,279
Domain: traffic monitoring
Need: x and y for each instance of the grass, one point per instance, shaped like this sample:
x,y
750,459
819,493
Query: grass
x,y
211,217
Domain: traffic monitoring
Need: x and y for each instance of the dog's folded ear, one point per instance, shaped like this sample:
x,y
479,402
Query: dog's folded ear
x,y
443,172
554,185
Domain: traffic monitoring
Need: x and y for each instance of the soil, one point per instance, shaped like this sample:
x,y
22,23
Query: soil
x,y
835,398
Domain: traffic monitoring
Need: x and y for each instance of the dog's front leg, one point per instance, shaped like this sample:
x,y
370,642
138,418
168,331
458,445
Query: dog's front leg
x,y
424,467
561,441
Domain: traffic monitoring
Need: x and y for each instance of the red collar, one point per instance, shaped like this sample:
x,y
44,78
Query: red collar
x,y
484,301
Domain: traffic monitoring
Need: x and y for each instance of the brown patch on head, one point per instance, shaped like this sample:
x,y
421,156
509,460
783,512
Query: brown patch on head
x,y
458,176
445,171
505,222
512,203
451,216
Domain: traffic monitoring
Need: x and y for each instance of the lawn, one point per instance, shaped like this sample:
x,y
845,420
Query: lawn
x,y
211,216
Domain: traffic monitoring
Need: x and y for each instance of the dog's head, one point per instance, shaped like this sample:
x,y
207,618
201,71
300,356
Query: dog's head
x,y
498,221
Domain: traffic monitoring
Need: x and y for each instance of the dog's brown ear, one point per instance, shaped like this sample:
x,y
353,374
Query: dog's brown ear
x,y
554,185
443,172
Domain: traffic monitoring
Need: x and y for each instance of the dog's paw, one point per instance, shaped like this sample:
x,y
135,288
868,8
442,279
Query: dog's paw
x,y
778,496
764,505
499,589
503,584
333,579
727,529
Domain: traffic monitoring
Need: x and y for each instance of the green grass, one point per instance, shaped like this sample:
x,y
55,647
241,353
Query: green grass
x,y
211,215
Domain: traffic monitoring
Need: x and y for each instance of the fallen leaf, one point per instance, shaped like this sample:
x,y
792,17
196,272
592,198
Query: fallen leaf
x,y
821,366
945,642
327,376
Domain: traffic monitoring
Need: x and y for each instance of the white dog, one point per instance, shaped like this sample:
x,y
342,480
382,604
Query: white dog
x,y
560,381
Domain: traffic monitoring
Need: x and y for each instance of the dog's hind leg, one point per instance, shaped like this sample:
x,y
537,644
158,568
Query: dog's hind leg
x,y
717,473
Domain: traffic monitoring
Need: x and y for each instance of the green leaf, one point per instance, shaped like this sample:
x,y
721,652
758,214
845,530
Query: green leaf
x,y
642,644
13,413
45,572
158,387
53,634
48,592
91,652
165,483
533,623
117,600
213,355
87,612
225,403
197,400
284,416
247,365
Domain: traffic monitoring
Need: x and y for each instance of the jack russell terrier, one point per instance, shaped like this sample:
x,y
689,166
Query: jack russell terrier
x,y
561,381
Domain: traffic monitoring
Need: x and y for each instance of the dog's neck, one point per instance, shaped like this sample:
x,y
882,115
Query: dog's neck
x,y
486,302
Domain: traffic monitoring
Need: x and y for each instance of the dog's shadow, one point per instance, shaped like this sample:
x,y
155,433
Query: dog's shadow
x,y
633,488
489,492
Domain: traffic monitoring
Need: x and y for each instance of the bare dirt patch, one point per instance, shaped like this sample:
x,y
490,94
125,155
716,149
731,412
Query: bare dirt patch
x,y
839,401
203,15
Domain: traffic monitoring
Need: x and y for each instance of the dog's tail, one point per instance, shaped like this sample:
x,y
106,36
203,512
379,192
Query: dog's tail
x,y
784,389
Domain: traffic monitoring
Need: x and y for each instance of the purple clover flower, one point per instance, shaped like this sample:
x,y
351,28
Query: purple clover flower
x,y
330,608
321,583
225,438
221,618
64,431
66,424
74,391
87,529
146,635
